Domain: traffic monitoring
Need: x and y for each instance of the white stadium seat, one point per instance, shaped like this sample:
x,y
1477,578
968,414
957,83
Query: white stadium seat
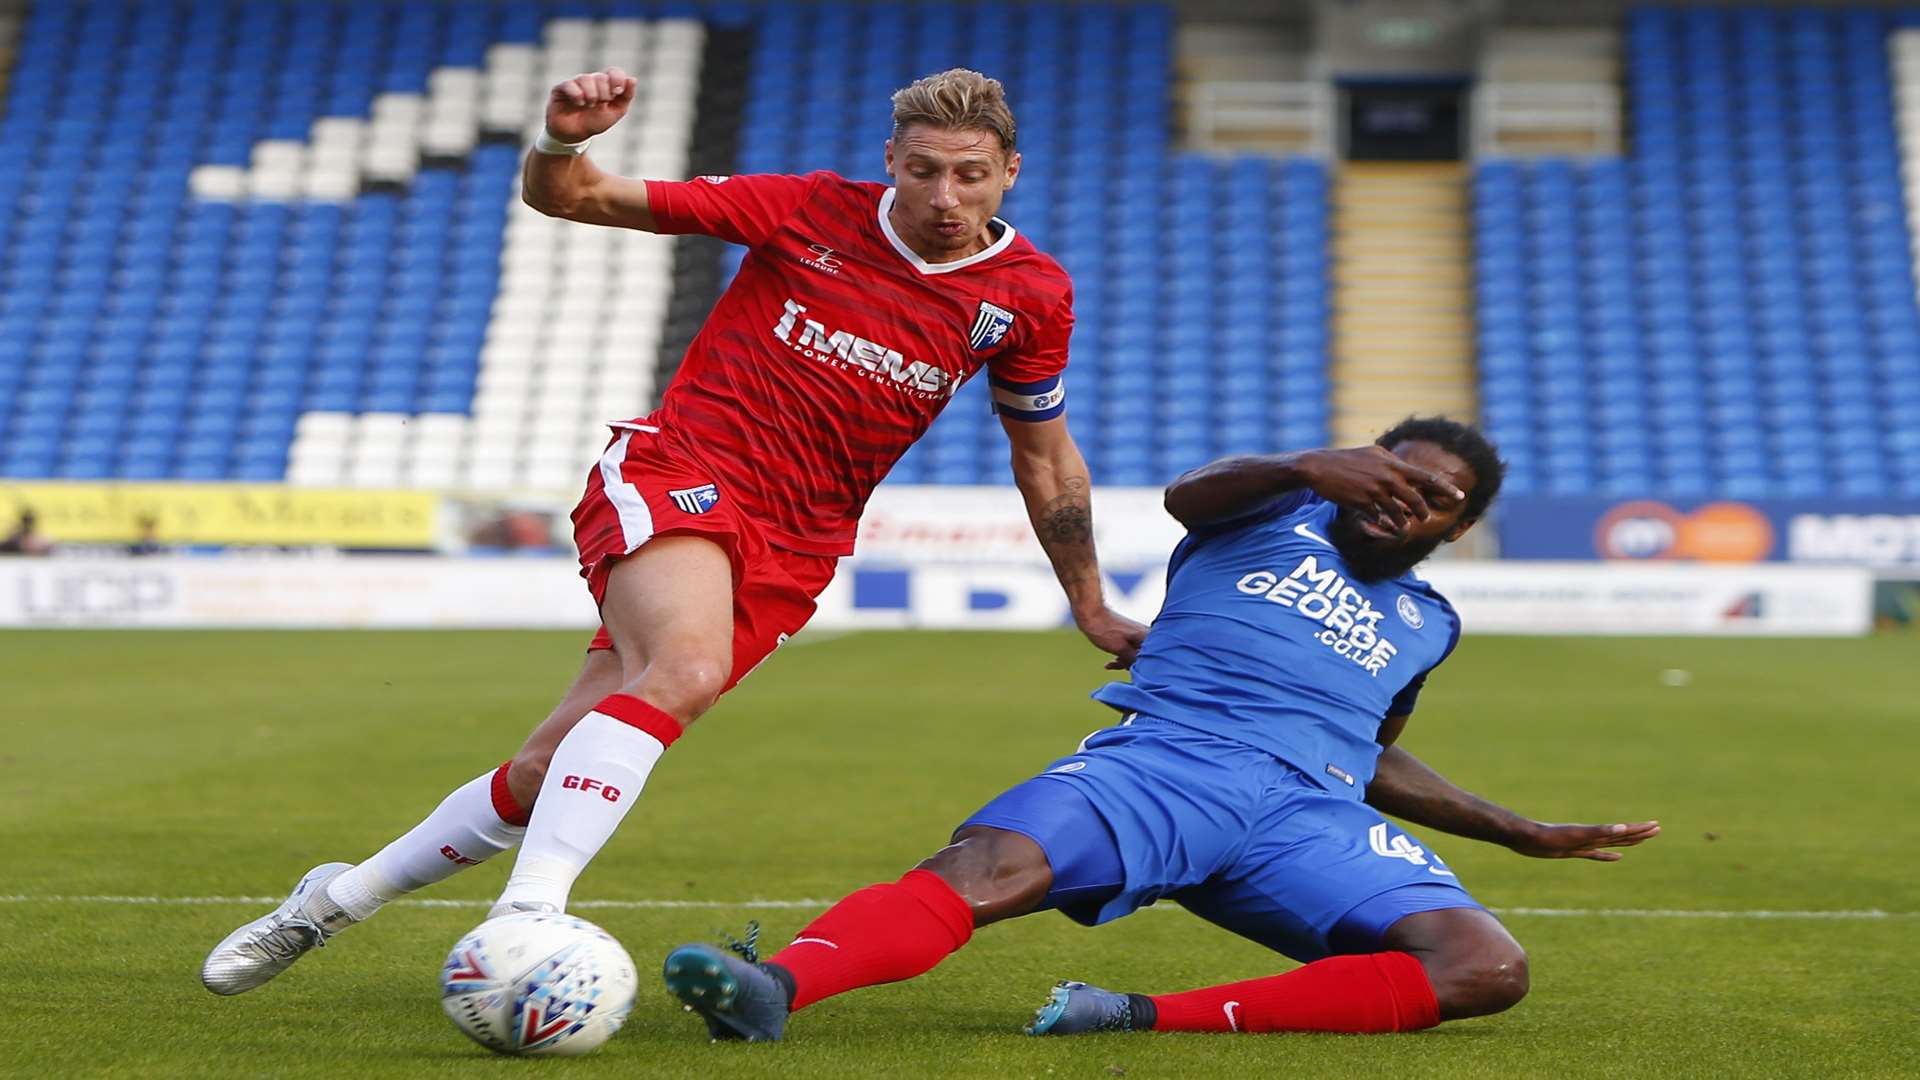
x,y
506,378
503,430
453,83
374,473
319,423
577,32
315,471
512,56
500,450
556,379
487,475
273,185
390,161
432,473
553,478
283,155
223,182
450,139
397,112
331,184
382,424
556,449
431,424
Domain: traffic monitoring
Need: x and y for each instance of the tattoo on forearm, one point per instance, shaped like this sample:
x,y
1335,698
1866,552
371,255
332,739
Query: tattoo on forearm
x,y
1068,519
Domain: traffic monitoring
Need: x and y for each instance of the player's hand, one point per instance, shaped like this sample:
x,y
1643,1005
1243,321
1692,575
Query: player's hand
x,y
588,104
1595,842
1372,480
1114,633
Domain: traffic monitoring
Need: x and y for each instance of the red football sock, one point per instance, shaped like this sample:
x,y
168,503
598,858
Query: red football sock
x,y
1385,991
881,934
504,804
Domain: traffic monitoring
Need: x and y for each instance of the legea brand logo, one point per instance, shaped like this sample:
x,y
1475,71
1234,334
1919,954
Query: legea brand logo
x,y
821,257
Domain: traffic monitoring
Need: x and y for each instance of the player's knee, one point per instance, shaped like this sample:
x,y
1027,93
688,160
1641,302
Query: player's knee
x,y
1491,977
685,685
1000,874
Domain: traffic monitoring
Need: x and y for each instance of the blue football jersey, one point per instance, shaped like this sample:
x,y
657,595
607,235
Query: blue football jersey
x,y
1264,639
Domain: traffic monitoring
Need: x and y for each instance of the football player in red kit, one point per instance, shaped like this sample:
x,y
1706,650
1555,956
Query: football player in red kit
x,y
709,527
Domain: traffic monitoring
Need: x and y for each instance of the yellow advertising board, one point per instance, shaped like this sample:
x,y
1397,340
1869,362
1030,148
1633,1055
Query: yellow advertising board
x,y
271,514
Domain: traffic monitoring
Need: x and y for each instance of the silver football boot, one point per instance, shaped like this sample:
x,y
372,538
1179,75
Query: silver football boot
x,y
252,955
516,907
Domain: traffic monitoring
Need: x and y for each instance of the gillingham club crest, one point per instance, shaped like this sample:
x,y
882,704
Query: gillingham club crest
x,y
696,500
990,326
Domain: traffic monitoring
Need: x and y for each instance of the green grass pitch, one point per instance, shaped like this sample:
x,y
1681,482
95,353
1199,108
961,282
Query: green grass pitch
x,y
180,765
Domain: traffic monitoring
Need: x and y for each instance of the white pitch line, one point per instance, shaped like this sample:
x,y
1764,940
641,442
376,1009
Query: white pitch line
x,y
220,901
1690,913
785,905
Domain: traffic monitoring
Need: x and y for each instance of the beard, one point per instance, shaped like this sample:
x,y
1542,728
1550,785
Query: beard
x,y
1371,558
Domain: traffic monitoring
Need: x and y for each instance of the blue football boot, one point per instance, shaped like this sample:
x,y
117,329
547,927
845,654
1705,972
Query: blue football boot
x,y
1075,1008
729,988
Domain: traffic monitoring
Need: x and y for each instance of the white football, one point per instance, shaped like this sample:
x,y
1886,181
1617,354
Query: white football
x,y
532,983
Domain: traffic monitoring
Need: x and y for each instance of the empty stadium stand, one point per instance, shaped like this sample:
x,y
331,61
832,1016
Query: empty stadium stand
x,y
1729,311
287,239
283,241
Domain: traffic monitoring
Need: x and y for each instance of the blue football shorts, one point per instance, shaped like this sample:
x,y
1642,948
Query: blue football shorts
x,y
1151,809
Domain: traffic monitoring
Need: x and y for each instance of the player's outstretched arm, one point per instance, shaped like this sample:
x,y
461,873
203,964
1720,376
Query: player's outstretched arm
x,y
1367,478
1052,478
1405,787
559,180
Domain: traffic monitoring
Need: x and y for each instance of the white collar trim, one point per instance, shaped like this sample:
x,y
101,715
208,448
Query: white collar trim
x,y
913,258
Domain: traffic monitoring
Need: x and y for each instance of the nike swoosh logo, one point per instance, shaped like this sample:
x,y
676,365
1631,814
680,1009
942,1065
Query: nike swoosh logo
x,y
813,941
1311,535
1232,1024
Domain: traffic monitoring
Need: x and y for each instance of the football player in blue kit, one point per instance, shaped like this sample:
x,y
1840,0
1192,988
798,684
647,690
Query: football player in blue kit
x,y
1245,780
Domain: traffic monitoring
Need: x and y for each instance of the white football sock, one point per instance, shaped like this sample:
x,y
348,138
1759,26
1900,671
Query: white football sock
x,y
596,774
464,830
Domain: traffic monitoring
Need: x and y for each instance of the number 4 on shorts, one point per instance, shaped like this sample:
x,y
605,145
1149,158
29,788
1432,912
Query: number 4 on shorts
x,y
1402,848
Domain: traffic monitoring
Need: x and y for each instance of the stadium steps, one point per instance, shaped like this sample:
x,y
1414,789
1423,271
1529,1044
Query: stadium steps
x,y
1246,87
700,262
1548,90
1403,294
1903,48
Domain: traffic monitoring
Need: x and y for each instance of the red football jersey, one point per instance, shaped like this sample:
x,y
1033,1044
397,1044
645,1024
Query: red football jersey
x,y
836,345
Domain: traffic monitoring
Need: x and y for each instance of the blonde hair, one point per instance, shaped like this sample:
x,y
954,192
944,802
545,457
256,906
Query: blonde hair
x,y
958,100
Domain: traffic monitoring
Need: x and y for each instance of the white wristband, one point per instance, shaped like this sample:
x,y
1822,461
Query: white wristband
x,y
547,144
